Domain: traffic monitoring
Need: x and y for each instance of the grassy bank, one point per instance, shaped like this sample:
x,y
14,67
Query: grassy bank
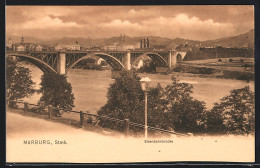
x,y
205,71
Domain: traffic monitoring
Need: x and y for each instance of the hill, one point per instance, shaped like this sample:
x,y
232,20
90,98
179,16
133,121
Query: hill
x,y
239,41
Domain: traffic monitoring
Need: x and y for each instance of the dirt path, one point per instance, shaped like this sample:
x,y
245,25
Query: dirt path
x,y
87,147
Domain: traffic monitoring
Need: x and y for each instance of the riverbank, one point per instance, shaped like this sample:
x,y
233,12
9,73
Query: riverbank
x,y
215,72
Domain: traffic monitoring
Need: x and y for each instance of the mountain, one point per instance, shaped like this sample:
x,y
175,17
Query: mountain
x,y
242,40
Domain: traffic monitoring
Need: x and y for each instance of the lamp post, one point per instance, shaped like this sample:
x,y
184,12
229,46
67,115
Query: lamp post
x,y
145,81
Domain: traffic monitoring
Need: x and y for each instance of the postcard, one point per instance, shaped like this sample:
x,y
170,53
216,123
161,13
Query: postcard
x,y
130,84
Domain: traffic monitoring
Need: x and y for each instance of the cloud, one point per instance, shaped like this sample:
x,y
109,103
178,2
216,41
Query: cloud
x,y
133,12
201,22
188,27
119,24
48,22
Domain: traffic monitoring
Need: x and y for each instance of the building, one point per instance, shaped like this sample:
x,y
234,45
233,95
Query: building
x,y
71,47
20,48
110,48
38,48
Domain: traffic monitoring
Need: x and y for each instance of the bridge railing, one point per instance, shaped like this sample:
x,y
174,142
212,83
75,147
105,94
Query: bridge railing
x,y
51,112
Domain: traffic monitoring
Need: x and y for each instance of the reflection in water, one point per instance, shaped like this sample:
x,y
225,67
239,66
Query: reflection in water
x,y
90,87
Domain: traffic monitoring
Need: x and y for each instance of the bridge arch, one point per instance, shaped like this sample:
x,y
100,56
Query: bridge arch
x,y
179,58
112,61
35,61
158,59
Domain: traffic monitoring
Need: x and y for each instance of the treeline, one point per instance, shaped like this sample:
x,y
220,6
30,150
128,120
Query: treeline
x,y
173,108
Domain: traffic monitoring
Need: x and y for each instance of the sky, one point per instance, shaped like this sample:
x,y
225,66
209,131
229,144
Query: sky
x,y
195,22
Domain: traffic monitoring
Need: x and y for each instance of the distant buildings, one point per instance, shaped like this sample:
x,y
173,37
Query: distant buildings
x,y
38,48
28,47
69,46
122,45
22,46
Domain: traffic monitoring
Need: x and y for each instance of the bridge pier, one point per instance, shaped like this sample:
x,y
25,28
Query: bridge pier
x,y
61,64
127,60
172,59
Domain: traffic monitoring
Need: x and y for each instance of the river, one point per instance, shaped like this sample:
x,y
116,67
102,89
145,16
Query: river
x,y
90,87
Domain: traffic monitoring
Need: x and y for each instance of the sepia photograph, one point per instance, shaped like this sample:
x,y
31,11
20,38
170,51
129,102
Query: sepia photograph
x,y
130,84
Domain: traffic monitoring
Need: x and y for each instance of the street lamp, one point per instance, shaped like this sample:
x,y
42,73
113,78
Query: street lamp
x,y
145,81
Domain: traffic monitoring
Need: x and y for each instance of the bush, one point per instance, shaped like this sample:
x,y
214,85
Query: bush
x,y
219,60
230,60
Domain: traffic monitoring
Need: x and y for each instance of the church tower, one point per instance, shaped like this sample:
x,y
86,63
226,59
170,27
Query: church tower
x,y
22,40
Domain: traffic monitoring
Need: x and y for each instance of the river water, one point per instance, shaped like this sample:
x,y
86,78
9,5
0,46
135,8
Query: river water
x,y
90,87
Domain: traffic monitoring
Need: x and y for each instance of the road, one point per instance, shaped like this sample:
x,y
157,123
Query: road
x,y
87,147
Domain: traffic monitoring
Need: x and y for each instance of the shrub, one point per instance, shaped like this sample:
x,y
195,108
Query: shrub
x,y
219,60
230,60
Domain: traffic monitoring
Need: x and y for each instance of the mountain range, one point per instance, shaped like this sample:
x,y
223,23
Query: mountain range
x,y
242,40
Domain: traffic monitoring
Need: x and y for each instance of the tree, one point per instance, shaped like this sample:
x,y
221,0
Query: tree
x,y
125,101
170,108
156,116
237,111
56,91
19,82
184,113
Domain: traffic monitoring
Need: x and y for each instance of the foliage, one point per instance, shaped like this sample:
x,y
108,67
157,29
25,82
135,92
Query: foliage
x,y
156,103
125,100
170,108
19,82
184,114
173,108
236,112
56,91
